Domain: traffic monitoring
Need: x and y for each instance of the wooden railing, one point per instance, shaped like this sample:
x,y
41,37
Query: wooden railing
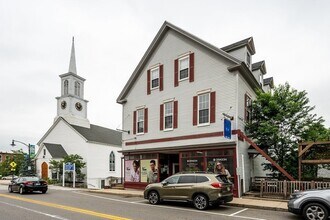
x,y
286,188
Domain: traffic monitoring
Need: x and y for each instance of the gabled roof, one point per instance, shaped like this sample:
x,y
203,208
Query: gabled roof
x,y
248,42
161,33
95,133
260,65
100,134
56,150
269,81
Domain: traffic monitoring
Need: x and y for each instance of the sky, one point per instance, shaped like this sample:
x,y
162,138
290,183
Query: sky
x,y
112,36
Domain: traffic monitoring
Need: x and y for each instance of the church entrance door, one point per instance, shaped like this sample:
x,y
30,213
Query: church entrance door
x,y
44,170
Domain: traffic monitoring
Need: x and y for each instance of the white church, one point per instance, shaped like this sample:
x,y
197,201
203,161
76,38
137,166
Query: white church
x,y
72,133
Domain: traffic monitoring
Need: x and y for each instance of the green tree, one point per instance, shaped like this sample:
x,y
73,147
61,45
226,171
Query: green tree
x,y
279,121
18,158
73,159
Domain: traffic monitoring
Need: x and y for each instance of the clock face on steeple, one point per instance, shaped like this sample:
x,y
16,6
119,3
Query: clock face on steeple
x,y
63,104
78,106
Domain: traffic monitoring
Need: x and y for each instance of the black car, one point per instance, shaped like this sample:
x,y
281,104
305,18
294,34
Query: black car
x,y
28,184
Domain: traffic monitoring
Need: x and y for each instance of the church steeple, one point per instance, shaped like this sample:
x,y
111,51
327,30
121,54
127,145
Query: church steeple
x,y
71,105
72,65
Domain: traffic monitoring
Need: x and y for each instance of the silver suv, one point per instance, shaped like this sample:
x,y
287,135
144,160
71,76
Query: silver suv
x,y
312,204
202,189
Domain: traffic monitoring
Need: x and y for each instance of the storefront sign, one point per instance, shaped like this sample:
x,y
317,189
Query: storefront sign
x,y
132,170
147,174
227,128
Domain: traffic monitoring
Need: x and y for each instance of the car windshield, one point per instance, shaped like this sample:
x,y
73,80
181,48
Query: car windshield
x,y
30,178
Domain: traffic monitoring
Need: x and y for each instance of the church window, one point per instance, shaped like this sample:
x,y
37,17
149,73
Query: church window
x,y
112,161
77,88
66,87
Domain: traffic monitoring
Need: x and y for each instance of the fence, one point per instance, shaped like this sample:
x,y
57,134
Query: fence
x,y
286,188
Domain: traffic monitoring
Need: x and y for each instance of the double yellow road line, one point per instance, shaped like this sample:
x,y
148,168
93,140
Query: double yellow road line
x,y
65,207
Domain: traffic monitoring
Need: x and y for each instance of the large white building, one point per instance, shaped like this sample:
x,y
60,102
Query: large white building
x,y
176,101
72,133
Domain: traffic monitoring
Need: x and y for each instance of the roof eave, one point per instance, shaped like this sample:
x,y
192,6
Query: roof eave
x,y
166,26
247,74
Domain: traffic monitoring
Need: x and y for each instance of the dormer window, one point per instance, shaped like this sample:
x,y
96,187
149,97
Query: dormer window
x,y
184,68
261,79
155,78
248,59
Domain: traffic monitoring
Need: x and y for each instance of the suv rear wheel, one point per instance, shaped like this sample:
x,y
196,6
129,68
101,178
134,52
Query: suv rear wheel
x,y
153,198
315,211
201,202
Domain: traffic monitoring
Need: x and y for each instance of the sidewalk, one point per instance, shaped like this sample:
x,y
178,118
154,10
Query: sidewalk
x,y
238,202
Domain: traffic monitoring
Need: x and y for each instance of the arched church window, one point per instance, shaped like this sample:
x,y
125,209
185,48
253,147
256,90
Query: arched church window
x,y
77,88
112,161
66,87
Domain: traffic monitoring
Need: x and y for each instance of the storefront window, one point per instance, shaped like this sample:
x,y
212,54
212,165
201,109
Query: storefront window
x,y
192,164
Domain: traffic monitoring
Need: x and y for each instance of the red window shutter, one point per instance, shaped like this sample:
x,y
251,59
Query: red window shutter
x,y
176,73
245,100
161,77
212,111
175,120
161,117
145,120
195,110
191,67
148,82
134,122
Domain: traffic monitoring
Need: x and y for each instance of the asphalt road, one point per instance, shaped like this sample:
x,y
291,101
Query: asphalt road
x,y
70,204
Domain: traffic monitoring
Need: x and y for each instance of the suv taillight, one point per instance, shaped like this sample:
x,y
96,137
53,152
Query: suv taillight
x,y
216,185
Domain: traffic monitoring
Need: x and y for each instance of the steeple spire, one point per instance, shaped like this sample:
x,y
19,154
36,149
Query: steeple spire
x,y
72,66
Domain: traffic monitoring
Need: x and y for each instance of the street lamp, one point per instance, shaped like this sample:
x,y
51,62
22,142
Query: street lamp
x,y
29,148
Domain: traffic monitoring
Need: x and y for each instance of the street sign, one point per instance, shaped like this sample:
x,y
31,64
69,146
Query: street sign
x,y
69,167
32,150
13,164
12,169
227,128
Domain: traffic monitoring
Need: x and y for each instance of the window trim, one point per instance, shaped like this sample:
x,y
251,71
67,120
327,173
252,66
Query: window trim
x,y
209,109
137,121
179,67
246,108
164,115
248,59
153,69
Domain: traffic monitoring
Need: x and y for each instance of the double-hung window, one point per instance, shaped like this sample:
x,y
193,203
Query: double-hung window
x,y
155,78
168,116
204,108
248,108
140,121
184,68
